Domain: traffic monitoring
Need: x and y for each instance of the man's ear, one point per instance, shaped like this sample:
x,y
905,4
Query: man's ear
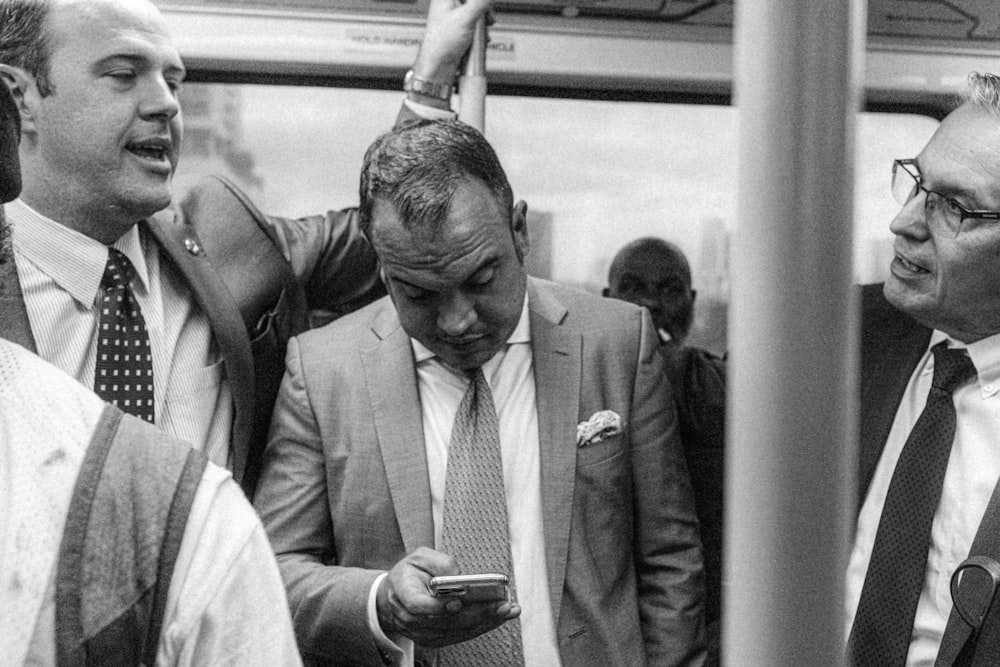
x,y
519,229
18,82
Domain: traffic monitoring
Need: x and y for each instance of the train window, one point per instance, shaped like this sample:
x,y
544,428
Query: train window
x,y
595,174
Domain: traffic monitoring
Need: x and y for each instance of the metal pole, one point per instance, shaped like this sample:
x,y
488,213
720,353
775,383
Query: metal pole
x,y
472,82
792,407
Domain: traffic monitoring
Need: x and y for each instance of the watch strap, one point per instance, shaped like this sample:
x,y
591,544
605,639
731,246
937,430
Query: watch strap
x,y
435,89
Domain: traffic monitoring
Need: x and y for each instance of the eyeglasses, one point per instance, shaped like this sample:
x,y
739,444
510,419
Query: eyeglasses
x,y
944,214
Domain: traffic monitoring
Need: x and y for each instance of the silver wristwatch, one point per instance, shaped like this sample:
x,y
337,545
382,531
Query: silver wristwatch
x,y
435,89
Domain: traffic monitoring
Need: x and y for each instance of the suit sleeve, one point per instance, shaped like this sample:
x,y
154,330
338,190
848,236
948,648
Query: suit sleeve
x,y
328,603
332,260
668,549
330,256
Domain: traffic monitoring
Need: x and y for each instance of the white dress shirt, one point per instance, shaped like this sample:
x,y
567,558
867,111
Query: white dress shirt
x,y
60,272
972,474
511,378
212,615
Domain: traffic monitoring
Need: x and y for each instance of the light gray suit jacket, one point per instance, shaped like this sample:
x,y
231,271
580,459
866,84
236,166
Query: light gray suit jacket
x,y
344,492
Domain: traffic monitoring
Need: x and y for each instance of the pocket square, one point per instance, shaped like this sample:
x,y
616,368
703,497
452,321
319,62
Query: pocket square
x,y
600,426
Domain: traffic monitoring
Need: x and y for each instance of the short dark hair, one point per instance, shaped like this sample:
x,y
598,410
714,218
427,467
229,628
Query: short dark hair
x,y
24,42
670,253
10,135
418,168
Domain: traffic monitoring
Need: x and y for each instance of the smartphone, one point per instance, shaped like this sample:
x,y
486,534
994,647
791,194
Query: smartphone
x,y
493,587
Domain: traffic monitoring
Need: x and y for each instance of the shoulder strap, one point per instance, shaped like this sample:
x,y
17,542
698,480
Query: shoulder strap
x,y
14,323
124,529
70,648
180,508
960,645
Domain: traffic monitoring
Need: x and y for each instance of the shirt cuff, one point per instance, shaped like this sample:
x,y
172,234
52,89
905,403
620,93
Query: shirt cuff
x,y
428,112
397,651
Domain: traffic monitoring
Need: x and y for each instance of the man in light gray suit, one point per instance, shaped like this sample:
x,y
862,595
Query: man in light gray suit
x,y
357,488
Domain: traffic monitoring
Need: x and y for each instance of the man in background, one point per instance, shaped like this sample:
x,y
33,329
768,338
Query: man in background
x,y
201,294
655,274
499,424
118,544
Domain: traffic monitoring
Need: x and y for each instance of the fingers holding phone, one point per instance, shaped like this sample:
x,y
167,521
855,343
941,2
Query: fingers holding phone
x,y
464,607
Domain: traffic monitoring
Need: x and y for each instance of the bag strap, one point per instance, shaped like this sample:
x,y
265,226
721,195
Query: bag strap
x,y
961,644
180,508
70,641
131,635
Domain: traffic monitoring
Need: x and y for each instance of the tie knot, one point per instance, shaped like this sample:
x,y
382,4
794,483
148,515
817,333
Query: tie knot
x,y
952,367
119,270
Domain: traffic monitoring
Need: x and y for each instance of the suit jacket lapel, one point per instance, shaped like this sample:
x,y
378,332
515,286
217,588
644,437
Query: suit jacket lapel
x,y
891,346
14,323
556,355
392,389
182,246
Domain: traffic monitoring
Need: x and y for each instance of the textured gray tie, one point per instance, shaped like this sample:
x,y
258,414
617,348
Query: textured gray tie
x,y
883,625
475,529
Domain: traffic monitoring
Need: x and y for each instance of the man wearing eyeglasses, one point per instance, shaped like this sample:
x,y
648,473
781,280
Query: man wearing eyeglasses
x,y
930,408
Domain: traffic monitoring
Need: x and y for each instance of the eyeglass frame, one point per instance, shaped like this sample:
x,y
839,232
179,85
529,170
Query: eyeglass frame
x,y
964,213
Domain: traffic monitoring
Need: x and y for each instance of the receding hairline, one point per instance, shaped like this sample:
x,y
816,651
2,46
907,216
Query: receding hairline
x,y
432,229
97,10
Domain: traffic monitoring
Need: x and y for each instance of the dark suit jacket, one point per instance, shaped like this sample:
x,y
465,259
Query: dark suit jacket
x,y
258,278
344,492
892,345
698,378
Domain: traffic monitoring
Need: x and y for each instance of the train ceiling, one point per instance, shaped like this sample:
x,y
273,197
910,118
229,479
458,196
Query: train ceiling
x,y
969,23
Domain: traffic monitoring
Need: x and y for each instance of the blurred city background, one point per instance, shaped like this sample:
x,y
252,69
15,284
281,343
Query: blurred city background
x,y
595,174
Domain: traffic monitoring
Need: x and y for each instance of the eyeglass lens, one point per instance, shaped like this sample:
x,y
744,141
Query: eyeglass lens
x,y
938,210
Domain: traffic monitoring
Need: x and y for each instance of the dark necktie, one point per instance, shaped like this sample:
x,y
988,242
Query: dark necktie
x,y
124,372
475,529
883,625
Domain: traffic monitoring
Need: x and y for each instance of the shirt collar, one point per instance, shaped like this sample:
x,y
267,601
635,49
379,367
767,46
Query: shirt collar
x,y
521,334
985,354
73,260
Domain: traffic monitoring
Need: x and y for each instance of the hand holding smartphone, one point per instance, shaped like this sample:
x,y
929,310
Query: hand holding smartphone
x,y
491,587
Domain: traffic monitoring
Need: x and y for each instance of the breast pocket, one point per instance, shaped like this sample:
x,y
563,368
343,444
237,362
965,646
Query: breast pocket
x,y
604,451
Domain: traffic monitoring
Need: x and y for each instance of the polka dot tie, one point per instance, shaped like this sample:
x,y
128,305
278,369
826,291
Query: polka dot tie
x,y
475,529
884,621
124,373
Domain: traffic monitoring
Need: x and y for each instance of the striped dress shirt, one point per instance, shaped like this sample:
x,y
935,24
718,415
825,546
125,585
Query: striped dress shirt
x,y
60,273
